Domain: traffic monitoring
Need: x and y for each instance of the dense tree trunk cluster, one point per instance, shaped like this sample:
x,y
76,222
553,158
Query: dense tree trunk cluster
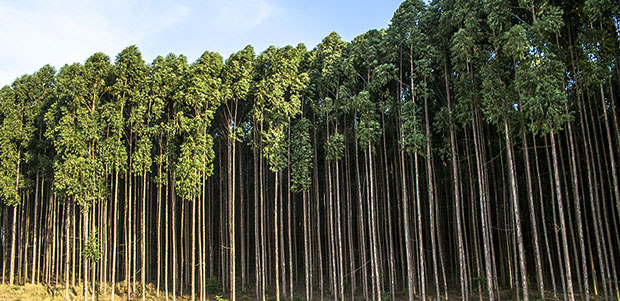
x,y
468,150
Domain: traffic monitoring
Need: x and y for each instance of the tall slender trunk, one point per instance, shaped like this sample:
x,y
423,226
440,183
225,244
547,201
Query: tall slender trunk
x,y
166,234
193,242
67,226
533,219
306,245
174,240
275,224
114,234
387,202
85,262
14,225
143,240
360,210
232,217
339,235
515,207
317,202
373,223
257,252
262,217
35,229
408,247
612,150
289,217
556,173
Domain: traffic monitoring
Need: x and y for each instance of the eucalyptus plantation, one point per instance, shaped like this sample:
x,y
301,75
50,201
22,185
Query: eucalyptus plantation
x,y
468,150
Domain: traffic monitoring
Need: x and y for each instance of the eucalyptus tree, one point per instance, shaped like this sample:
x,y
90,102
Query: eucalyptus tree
x,y
41,96
407,29
366,53
21,112
599,43
74,132
301,166
466,58
193,116
17,130
130,91
509,47
278,100
115,159
326,63
236,82
141,160
538,80
167,86
595,51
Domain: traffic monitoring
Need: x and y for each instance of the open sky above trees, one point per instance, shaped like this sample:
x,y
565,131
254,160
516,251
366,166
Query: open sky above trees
x,y
38,32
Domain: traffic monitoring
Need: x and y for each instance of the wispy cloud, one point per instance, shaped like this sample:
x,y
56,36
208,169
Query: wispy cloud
x,y
37,32
242,14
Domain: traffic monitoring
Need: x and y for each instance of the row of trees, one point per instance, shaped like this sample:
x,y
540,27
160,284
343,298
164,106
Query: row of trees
x,y
468,149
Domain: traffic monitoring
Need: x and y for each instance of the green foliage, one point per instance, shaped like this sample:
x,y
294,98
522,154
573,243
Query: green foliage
x,y
274,140
237,74
301,156
334,147
498,101
413,140
279,89
14,135
368,128
386,296
542,97
194,114
213,285
75,130
92,249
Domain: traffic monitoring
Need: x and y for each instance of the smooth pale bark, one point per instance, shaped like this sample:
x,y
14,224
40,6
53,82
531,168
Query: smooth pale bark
x,y
174,246
232,219
193,278
317,202
143,240
360,209
14,231
517,213
275,224
35,227
373,222
85,262
612,150
387,202
289,217
306,245
67,226
257,252
556,174
405,213
533,219
114,234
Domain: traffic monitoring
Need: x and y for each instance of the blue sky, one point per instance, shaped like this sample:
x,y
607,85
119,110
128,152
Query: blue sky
x,y
38,32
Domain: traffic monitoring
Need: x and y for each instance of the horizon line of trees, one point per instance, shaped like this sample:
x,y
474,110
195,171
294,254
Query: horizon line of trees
x,y
468,150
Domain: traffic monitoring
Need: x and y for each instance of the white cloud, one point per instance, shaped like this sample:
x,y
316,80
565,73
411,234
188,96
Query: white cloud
x,y
38,32
242,14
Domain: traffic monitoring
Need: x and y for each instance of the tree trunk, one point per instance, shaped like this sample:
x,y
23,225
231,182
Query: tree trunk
x,y
517,214
530,194
556,173
275,225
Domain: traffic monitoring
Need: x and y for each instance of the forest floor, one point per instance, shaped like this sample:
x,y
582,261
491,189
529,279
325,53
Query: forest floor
x,y
47,292
51,293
